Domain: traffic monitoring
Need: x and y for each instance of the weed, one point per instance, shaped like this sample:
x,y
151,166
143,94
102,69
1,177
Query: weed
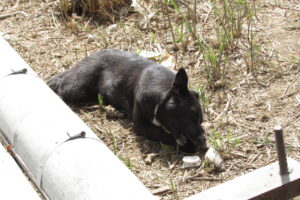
x,y
230,17
103,39
292,61
126,161
264,141
208,165
255,58
166,149
190,25
64,8
113,140
253,49
153,38
203,98
180,34
100,103
258,62
215,65
173,189
224,145
165,11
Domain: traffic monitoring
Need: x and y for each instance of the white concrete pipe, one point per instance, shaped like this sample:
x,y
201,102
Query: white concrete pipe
x,y
64,157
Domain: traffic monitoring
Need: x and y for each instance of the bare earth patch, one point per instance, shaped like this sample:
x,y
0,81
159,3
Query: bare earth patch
x,y
246,110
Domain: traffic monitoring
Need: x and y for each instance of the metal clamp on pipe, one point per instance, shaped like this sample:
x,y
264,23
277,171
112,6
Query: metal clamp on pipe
x,y
46,156
21,71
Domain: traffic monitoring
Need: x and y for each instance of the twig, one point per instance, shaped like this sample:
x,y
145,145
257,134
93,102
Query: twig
x,y
286,95
171,27
161,190
292,28
163,12
228,103
272,51
286,89
225,109
205,179
282,7
239,154
195,16
254,158
206,18
298,99
4,16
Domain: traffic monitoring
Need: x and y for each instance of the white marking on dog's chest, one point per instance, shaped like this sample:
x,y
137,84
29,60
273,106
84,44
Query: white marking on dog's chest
x,y
157,123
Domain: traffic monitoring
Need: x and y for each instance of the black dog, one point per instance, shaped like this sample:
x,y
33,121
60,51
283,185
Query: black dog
x,y
156,99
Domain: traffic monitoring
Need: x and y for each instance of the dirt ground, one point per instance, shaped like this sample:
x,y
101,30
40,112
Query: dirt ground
x,y
244,111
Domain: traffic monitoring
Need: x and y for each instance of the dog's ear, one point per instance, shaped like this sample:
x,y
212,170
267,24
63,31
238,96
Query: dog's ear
x,y
180,83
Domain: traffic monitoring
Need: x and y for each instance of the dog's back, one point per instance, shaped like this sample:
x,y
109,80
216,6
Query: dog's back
x,y
115,75
126,75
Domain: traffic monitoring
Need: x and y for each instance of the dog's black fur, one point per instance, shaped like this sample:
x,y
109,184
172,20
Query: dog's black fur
x,y
155,98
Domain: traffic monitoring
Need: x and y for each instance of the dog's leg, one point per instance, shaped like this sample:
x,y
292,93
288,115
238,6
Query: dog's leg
x,y
74,89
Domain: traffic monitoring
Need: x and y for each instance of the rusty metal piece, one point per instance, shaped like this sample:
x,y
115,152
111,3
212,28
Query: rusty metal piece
x,y
281,150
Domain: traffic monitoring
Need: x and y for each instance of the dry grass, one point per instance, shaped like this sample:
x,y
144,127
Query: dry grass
x,y
99,10
244,111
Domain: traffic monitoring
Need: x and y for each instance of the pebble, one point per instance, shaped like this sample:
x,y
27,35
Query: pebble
x,y
250,117
206,125
112,28
149,158
260,146
90,38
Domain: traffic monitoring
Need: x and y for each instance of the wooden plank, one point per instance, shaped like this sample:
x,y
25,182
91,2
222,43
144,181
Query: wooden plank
x,y
264,183
13,183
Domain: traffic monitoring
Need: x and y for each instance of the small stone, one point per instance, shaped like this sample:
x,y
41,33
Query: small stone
x,y
258,104
250,117
112,27
206,125
220,83
90,38
149,158
259,145
58,55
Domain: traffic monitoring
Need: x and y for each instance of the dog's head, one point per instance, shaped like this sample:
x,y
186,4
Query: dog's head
x,y
180,114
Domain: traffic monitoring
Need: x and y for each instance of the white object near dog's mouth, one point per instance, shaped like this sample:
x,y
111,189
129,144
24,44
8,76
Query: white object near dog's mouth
x,y
212,156
191,161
